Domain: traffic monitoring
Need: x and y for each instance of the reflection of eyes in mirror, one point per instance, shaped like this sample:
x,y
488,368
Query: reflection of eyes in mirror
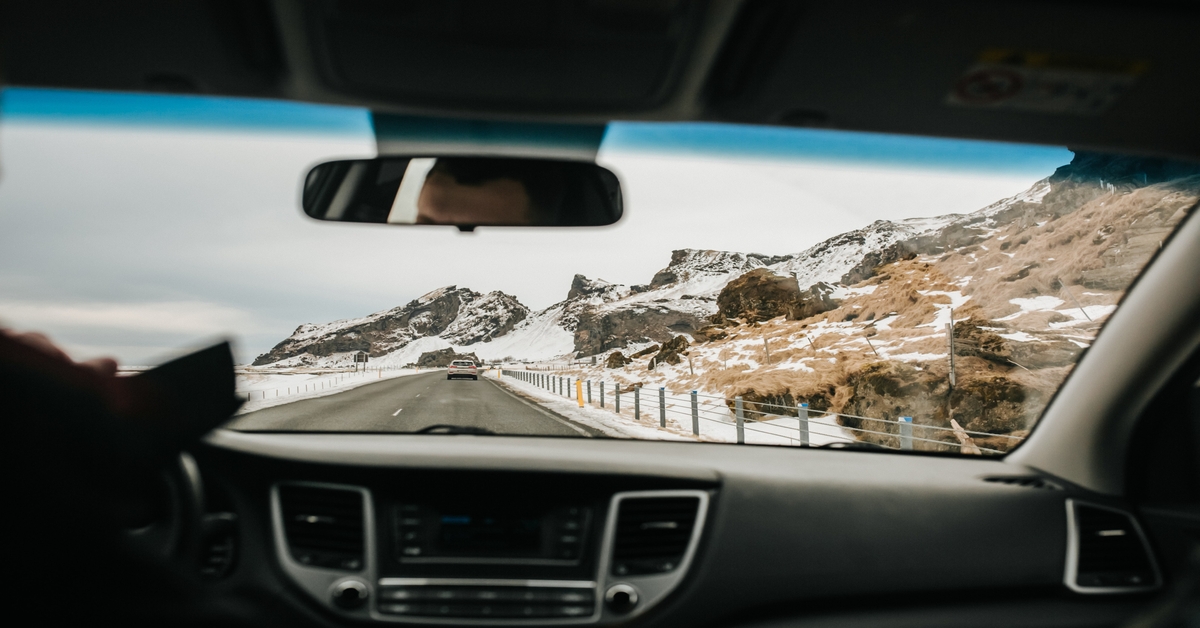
x,y
450,191
463,191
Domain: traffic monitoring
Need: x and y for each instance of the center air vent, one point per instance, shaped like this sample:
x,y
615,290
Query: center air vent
x,y
323,527
652,534
1110,554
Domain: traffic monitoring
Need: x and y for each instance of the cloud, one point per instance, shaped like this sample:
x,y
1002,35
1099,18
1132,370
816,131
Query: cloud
x,y
181,317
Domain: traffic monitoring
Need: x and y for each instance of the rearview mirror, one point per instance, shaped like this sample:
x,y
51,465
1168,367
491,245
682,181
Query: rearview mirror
x,y
463,191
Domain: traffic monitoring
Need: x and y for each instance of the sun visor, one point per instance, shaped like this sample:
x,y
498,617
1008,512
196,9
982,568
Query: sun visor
x,y
411,135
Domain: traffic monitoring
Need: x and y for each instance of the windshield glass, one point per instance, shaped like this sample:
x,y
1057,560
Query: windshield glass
x,y
765,285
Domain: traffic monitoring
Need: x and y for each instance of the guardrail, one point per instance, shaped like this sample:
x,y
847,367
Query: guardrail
x,y
759,417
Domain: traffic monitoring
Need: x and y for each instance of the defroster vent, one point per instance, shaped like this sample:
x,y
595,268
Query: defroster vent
x,y
652,534
324,527
1110,553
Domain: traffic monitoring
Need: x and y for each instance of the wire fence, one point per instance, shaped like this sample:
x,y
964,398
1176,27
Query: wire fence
x,y
330,381
716,417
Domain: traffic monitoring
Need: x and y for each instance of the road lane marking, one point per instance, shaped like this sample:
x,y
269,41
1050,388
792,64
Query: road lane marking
x,y
397,412
418,395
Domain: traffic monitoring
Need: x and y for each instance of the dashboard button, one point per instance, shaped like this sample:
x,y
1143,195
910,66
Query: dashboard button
x,y
573,597
398,594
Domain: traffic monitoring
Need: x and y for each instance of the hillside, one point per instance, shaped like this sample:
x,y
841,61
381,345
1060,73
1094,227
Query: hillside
x,y
1027,283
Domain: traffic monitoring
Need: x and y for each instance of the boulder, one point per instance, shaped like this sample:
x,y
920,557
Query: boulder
x,y
672,350
761,295
645,352
616,360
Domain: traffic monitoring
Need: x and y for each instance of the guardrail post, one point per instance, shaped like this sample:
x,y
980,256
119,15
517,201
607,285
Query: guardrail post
x,y
662,407
741,418
589,390
617,398
637,403
905,432
695,415
802,416
601,393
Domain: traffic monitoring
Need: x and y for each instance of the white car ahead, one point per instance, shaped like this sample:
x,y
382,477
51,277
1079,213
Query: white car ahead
x,y
462,368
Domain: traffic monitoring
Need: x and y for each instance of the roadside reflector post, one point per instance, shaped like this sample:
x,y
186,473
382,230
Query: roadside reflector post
x,y
802,416
589,388
906,432
601,393
579,392
662,406
616,398
695,415
741,419
637,402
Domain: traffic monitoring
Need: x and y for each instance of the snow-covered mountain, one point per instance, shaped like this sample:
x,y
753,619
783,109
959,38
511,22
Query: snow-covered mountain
x,y
449,316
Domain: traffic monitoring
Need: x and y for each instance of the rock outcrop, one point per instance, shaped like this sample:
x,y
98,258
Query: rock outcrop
x,y
443,357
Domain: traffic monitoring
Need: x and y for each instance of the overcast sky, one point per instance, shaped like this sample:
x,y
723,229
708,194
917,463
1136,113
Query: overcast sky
x,y
142,240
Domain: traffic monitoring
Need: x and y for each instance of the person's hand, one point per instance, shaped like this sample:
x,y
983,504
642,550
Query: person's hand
x,y
42,343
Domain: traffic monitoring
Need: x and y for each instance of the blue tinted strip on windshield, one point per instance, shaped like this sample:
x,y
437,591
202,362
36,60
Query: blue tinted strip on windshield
x,y
729,140
174,111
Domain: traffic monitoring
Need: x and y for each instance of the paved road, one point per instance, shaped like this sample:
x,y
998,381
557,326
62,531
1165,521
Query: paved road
x,y
407,404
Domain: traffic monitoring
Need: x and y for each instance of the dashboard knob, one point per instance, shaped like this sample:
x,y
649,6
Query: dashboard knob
x,y
621,598
350,594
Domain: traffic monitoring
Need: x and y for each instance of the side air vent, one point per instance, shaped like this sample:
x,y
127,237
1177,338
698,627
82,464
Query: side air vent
x,y
1109,553
323,527
1027,481
652,534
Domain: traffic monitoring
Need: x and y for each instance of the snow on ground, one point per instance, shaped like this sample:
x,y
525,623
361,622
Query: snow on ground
x,y
266,389
717,423
945,310
1018,336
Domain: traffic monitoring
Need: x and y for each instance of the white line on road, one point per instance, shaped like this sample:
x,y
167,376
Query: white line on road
x,y
418,395
397,412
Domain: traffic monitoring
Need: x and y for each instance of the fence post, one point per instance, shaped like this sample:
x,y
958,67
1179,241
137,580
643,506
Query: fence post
x,y
601,393
662,407
617,397
637,403
906,432
741,418
802,415
589,388
695,415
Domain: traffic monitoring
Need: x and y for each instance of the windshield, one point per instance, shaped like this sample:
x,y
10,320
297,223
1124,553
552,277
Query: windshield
x,y
765,286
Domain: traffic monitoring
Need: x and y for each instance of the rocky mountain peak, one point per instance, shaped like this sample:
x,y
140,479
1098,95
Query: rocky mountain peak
x,y
689,263
582,287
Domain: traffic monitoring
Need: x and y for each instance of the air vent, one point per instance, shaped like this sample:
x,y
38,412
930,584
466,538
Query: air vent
x,y
1027,481
652,534
1110,553
323,526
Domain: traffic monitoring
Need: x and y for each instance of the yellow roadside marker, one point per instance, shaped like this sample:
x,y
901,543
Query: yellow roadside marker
x,y
579,392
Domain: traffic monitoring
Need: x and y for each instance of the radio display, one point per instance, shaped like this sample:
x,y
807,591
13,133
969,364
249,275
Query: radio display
x,y
428,533
487,534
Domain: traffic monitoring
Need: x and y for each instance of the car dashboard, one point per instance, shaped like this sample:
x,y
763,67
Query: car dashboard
x,y
355,529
